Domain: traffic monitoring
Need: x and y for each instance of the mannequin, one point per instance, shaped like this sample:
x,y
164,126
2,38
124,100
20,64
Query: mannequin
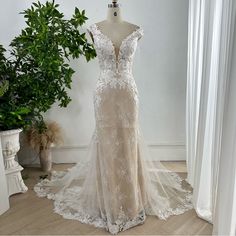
x,y
114,27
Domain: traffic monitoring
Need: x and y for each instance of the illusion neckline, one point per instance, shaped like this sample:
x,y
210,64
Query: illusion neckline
x,y
117,56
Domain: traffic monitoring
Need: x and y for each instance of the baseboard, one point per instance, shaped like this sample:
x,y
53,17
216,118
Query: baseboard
x,y
167,151
73,154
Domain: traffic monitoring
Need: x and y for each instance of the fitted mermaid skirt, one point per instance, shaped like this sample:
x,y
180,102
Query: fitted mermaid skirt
x,y
118,184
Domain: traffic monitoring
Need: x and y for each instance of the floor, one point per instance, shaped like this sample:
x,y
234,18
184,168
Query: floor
x,y
30,215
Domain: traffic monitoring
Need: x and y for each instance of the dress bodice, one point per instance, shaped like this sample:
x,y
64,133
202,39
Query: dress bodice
x,y
108,60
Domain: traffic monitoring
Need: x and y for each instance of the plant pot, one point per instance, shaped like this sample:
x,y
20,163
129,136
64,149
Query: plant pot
x,y
4,202
10,146
45,157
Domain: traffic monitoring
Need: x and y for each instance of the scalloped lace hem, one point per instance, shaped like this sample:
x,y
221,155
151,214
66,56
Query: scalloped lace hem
x,y
122,223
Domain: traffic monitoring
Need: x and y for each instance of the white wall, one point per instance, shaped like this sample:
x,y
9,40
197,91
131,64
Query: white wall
x,y
159,70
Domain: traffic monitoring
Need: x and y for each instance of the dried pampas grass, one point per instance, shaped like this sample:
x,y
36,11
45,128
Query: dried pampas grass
x,y
51,135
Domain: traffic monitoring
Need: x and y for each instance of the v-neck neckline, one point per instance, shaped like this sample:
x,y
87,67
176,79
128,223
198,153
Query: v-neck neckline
x,y
117,56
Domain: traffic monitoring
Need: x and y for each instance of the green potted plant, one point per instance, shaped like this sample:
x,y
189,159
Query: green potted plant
x,y
37,71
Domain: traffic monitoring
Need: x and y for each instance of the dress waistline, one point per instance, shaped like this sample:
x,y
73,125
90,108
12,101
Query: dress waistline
x,y
117,72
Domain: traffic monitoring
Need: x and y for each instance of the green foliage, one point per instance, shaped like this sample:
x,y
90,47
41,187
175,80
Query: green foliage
x,y
4,72
11,115
38,71
14,119
3,87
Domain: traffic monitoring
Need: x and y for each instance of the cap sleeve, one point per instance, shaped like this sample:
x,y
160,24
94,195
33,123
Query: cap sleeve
x,y
140,33
92,31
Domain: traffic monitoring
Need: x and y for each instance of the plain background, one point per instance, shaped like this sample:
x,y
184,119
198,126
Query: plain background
x,y
160,70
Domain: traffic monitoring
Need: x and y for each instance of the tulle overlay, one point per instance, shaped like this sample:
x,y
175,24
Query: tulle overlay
x,y
118,184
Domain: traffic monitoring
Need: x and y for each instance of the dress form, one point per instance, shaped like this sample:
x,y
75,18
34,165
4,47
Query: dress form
x,y
114,27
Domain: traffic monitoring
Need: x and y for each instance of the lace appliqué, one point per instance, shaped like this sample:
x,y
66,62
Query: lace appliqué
x,y
123,222
115,72
106,51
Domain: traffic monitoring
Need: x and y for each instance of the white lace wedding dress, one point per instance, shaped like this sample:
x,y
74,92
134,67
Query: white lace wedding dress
x,y
118,184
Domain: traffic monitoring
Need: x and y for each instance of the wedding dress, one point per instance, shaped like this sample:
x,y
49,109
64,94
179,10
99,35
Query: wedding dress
x,y
118,184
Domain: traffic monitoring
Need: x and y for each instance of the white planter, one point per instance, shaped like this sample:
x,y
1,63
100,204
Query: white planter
x,y
4,201
10,146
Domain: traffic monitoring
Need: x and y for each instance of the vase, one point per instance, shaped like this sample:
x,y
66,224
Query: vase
x,y
45,157
10,146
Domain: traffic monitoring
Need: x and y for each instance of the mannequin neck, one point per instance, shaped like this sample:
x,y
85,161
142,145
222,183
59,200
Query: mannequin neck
x,y
114,15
